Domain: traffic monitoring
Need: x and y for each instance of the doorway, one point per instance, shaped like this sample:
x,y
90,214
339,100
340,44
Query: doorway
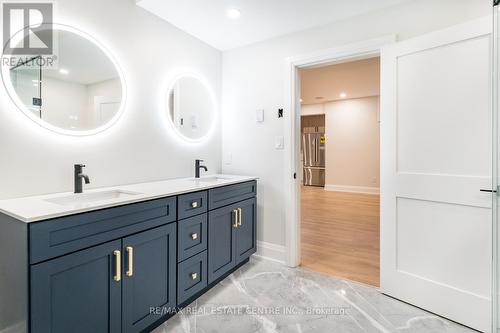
x,y
340,159
436,229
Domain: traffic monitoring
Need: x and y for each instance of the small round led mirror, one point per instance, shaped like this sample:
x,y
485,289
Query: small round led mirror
x,y
191,108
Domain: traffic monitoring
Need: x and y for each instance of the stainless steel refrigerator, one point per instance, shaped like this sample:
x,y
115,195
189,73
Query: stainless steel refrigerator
x,y
313,154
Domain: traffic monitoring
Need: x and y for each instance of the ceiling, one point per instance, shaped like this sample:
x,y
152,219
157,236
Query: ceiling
x,y
355,79
260,19
86,63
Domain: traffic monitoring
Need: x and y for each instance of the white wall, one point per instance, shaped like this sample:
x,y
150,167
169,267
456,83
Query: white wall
x,y
141,146
253,78
353,145
64,103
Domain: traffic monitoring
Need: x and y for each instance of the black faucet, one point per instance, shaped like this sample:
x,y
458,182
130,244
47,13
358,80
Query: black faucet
x,y
78,178
197,167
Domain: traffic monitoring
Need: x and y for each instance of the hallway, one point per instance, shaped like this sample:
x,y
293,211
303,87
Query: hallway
x,y
340,234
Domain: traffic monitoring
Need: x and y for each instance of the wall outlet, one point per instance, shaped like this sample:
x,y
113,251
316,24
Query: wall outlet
x,y
279,143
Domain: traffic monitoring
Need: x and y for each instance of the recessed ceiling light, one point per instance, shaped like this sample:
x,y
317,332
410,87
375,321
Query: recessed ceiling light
x,y
301,100
233,13
63,71
343,95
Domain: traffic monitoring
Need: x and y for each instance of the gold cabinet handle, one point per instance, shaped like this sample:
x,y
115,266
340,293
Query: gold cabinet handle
x,y
235,225
194,204
118,265
194,236
130,257
194,276
239,217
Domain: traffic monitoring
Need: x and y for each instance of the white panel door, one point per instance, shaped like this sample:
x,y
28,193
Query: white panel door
x,y
436,142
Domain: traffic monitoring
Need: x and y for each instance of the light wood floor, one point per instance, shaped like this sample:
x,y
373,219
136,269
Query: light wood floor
x,y
340,234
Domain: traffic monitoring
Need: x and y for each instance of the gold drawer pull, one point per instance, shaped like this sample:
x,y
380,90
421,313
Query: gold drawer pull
x,y
194,204
194,236
118,265
194,276
130,254
240,222
235,225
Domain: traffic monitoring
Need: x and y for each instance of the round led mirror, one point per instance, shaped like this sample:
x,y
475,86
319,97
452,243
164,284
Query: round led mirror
x,y
77,90
191,108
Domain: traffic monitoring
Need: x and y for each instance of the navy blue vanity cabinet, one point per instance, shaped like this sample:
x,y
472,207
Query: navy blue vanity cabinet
x,y
103,271
126,268
232,228
191,277
246,238
192,236
149,276
77,293
222,224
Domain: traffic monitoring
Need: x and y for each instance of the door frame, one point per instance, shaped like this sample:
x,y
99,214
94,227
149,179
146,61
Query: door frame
x,y
346,53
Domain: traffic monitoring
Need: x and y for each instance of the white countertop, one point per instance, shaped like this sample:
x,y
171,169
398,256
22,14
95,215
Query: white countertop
x,y
37,208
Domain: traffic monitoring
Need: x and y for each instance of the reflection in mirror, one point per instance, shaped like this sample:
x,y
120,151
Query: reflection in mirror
x,y
83,92
191,107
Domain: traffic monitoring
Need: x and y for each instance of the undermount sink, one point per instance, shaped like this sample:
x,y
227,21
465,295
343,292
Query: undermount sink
x,y
75,199
214,179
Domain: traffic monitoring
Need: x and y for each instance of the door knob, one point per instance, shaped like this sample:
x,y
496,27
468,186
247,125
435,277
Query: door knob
x,y
194,236
194,276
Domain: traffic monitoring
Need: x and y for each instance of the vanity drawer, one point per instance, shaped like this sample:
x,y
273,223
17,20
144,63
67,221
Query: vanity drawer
x,y
192,236
191,277
53,238
192,204
223,196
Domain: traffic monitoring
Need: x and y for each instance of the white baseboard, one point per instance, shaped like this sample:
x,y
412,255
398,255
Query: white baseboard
x,y
16,328
353,189
271,251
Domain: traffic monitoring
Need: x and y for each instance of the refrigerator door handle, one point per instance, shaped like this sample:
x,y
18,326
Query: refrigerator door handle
x,y
317,150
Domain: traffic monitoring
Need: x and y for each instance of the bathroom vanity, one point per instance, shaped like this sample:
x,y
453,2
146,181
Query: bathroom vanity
x,y
121,259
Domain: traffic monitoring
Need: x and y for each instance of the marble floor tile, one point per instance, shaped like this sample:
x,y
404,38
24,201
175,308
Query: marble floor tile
x,y
266,297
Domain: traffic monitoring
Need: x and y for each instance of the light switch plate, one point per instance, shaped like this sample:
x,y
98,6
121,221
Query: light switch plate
x,y
279,143
259,115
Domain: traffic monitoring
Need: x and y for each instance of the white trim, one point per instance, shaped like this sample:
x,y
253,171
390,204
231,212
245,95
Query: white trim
x,y
270,251
291,209
352,189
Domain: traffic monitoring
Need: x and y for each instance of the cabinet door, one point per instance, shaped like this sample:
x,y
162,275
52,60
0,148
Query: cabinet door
x,y
149,276
221,242
77,293
246,237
